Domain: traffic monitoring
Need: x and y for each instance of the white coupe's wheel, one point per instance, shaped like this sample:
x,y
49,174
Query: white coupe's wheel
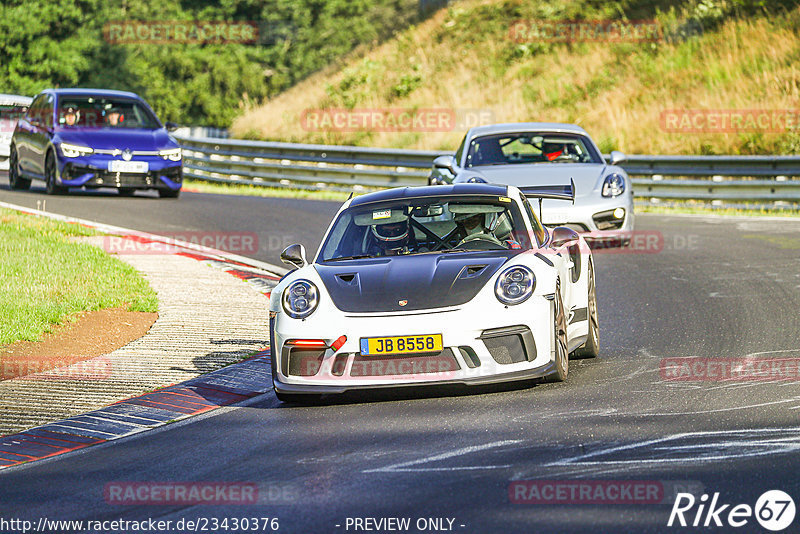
x,y
560,335
591,348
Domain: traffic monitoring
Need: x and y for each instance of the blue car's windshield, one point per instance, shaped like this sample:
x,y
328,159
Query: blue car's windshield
x,y
426,225
104,112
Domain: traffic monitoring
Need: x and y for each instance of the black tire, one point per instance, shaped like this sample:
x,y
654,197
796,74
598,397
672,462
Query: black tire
x,y
15,181
50,172
297,398
591,348
560,335
126,191
169,193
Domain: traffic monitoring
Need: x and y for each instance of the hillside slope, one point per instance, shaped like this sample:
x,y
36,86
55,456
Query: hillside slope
x,y
716,55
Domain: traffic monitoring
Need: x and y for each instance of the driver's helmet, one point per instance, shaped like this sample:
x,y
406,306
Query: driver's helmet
x,y
553,150
393,234
471,220
71,110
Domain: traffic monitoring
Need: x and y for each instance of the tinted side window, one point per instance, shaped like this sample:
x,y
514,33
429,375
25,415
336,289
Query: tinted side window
x,y
32,115
538,229
47,112
460,151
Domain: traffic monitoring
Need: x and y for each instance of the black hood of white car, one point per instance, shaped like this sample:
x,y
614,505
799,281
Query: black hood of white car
x,y
410,283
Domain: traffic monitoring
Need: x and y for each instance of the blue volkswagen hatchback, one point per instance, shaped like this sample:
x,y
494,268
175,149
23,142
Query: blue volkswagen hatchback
x,y
94,138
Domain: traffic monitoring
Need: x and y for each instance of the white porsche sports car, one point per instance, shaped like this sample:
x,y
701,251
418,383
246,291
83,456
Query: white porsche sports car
x,y
529,154
457,284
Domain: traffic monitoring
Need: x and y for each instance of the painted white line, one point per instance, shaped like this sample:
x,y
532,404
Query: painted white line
x,y
750,438
119,230
404,466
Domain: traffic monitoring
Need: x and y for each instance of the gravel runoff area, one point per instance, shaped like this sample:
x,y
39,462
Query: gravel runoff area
x,y
207,319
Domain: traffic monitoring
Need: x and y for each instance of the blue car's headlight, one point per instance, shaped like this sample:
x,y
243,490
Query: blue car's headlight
x,y
300,299
73,151
172,154
515,285
613,185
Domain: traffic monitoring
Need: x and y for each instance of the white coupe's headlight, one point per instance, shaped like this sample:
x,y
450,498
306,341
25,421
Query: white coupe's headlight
x,y
613,185
515,285
300,299
172,154
73,151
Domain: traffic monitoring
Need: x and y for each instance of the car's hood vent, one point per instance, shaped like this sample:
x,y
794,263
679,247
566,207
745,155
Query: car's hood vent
x,y
405,283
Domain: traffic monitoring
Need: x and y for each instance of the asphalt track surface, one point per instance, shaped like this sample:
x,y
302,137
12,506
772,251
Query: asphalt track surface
x,y
711,288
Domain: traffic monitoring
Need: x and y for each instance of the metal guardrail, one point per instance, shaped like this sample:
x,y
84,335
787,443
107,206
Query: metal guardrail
x,y
347,168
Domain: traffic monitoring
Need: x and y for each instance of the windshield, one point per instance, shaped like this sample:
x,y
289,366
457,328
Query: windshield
x,y
102,112
530,147
426,225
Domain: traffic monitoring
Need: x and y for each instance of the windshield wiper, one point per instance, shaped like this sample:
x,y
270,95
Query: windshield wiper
x,y
359,257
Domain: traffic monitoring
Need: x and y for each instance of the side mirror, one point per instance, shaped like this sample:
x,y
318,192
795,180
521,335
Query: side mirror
x,y
562,235
171,126
446,162
295,256
617,157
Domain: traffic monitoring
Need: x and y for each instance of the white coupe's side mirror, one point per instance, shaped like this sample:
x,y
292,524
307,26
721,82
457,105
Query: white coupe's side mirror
x,y
562,235
446,162
617,157
294,256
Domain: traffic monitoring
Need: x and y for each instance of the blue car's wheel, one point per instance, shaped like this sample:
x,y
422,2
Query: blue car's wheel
x,y
50,172
15,181
169,193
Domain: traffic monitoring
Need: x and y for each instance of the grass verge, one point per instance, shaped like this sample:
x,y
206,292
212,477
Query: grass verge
x,y
258,191
46,277
723,212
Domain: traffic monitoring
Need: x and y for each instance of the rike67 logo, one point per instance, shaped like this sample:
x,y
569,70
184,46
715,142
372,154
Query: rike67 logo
x,y
774,510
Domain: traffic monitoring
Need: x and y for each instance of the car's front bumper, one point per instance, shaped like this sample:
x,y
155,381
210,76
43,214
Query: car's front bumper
x,y
473,349
92,171
595,220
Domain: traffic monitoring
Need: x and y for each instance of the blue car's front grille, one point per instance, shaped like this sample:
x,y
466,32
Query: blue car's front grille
x,y
100,178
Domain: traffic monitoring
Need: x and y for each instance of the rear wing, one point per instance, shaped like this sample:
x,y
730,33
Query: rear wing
x,y
556,192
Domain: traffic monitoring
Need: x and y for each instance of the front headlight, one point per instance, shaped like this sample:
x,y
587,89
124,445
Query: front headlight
x,y
73,151
172,154
613,186
515,285
300,299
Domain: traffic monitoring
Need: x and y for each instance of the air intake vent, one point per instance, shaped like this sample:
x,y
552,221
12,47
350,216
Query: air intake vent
x,y
471,271
350,279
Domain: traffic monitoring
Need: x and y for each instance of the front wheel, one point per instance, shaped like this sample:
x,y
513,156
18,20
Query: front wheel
x,y
560,336
50,175
169,193
591,348
15,181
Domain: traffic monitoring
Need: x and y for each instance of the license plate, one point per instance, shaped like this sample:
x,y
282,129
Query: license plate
x,y
128,166
380,346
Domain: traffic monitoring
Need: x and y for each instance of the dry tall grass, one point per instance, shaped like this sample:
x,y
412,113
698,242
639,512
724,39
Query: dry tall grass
x,y
616,91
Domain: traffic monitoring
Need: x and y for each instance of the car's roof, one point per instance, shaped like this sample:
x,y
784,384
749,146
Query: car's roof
x,y
431,191
555,127
92,92
14,99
